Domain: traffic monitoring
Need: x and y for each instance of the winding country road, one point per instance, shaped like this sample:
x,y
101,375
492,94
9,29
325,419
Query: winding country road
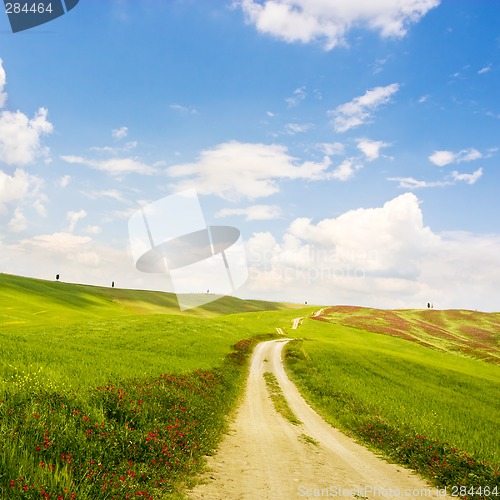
x,y
266,457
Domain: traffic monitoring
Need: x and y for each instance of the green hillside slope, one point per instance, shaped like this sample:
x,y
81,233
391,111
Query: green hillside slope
x,y
26,301
469,332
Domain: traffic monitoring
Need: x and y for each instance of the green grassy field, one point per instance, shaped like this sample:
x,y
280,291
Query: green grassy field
x,y
106,393
429,403
25,301
455,331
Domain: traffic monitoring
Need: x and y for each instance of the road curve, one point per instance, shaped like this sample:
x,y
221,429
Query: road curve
x,y
266,457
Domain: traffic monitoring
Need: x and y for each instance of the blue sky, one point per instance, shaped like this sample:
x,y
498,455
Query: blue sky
x,y
354,144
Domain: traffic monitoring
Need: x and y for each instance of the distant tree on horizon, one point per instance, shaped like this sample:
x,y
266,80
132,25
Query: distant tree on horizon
x,y
57,277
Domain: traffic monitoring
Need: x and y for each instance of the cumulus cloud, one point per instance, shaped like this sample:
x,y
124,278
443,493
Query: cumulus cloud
x,y
64,181
73,217
57,242
17,187
119,133
346,169
93,229
383,257
20,136
113,166
76,249
3,81
39,204
360,110
297,97
235,170
78,259
468,178
329,21
332,148
371,149
443,157
253,212
18,222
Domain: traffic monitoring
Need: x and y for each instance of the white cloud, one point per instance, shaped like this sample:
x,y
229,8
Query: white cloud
x,y
346,170
423,99
20,137
443,157
412,183
18,222
128,146
39,206
254,212
119,133
359,111
484,70
74,217
297,128
3,81
126,213
114,194
377,257
17,187
235,170
297,97
468,178
77,259
113,166
332,148
58,242
64,181
93,229
185,110
371,149
270,114
64,248
329,21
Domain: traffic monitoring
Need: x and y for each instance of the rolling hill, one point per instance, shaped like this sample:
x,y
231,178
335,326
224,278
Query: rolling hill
x,y
25,301
469,332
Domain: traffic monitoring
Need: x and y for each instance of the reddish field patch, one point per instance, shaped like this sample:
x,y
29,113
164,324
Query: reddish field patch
x,y
455,330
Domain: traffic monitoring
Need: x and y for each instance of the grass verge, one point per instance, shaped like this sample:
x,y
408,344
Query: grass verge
x,y
131,437
431,411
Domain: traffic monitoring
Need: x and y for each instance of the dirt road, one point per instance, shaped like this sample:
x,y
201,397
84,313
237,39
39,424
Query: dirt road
x,y
266,457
